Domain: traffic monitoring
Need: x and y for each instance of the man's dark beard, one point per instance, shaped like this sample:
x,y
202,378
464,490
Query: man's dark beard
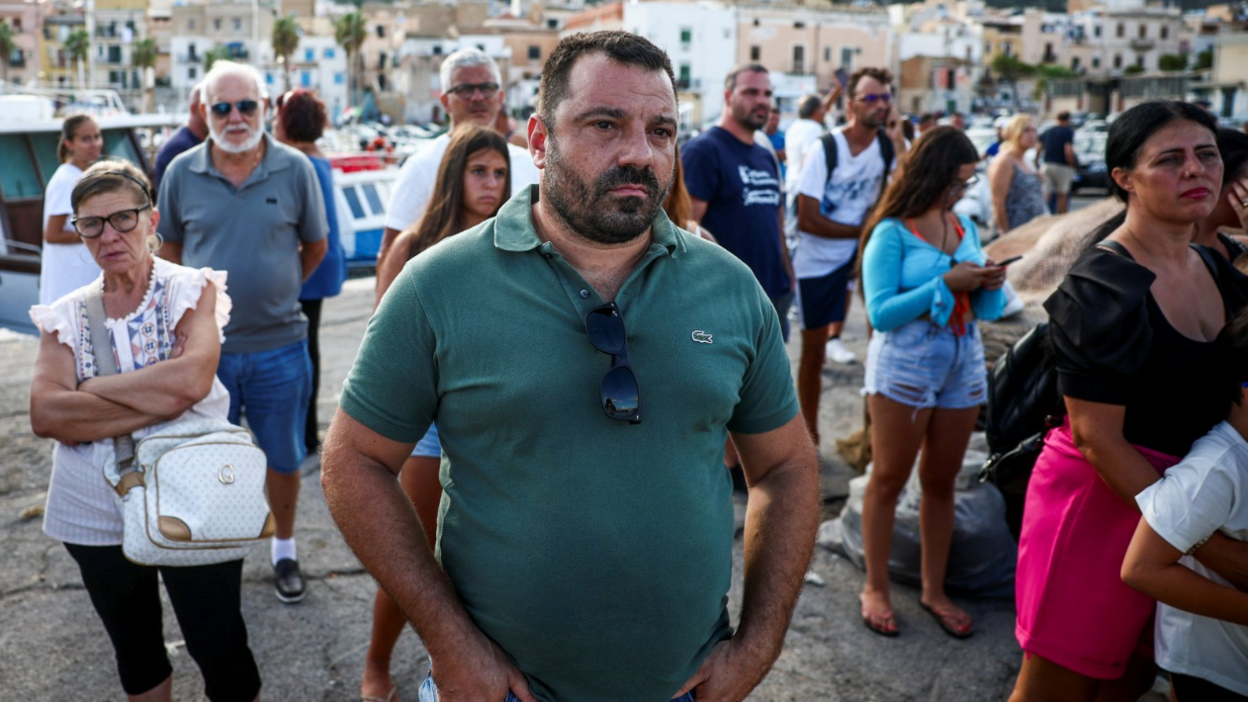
x,y
588,209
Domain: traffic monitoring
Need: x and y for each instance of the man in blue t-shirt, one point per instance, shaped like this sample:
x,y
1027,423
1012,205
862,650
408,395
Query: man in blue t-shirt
x,y
735,186
191,134
1057,148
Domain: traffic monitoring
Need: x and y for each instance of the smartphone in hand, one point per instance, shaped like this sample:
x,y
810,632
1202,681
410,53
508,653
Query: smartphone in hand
x,y
1008,261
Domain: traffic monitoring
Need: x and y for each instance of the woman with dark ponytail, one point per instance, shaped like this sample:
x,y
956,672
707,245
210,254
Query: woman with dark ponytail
x,y
66,264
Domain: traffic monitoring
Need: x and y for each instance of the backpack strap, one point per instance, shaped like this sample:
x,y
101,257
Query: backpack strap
x,y
887,151
1116,248
829,152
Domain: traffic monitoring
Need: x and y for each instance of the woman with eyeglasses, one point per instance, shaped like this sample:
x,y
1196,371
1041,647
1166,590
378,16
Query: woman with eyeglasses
x,y
165,322
1017,189
473,182
300,122
66,264
926,282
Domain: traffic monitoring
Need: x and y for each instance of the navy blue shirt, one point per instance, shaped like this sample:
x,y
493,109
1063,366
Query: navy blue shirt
x,y
182,140
326,280
741,188
1054,141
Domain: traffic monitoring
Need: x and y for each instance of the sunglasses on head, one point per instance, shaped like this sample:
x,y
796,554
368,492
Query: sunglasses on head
x,y
618,392
246,108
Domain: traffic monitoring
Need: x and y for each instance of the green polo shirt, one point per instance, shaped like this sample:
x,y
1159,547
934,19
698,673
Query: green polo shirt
x,y
596,553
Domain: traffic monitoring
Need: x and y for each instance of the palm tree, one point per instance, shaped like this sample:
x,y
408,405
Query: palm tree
x,y
143,57
350,31
285,42
214,54
78,44
7,44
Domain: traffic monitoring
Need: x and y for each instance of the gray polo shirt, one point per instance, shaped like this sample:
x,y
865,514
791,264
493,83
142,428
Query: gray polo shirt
x,y
252,232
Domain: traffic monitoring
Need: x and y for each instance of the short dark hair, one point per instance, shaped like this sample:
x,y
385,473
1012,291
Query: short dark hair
x,y
1232,345
1233,145
1063,116
1135,126
730,80
880,74
927,117
808,105
622,47
302,115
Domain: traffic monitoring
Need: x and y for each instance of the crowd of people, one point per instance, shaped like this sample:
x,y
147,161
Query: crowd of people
x,y
491,462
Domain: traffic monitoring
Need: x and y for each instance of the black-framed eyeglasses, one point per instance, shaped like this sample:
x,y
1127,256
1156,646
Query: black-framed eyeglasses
x,y
964,185
245,108
620,394
121,221
872,98
466,90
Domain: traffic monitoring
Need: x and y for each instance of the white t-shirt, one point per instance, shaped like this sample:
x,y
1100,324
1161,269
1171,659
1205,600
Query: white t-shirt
x,y
82,507
800,135
1206,492
414,187
65,267
845,199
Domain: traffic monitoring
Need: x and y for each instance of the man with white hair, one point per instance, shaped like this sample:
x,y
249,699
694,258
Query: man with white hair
x,y
189,135
471,92
244,203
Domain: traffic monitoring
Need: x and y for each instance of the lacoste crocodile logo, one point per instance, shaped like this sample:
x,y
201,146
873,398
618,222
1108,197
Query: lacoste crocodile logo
x,y
702,337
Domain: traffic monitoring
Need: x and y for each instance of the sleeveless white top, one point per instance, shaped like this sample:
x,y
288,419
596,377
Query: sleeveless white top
x,y
81,507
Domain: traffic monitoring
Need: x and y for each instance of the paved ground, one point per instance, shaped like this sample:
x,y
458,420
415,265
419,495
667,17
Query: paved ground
x,y
52,647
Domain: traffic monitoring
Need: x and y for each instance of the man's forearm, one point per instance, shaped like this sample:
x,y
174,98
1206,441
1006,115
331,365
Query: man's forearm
x,y
379,524
780,525
1226,557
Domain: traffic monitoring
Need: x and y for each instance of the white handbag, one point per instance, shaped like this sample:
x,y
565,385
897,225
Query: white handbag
x,y
191,494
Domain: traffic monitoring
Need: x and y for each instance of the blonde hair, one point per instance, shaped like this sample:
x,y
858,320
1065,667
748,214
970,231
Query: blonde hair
x,y
1012,134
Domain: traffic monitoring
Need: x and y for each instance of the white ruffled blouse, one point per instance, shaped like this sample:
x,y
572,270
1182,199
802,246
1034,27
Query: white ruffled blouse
x,y
81,508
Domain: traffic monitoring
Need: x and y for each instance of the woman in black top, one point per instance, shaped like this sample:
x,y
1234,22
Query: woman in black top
x,y
1132,332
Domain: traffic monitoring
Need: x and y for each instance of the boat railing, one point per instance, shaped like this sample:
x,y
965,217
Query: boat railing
x,y
100,102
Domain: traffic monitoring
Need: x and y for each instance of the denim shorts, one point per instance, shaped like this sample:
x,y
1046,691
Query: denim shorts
x,y
275,387
429,446
924,365
429,693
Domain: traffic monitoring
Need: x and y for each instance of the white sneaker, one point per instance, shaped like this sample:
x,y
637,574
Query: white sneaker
x,y
837,352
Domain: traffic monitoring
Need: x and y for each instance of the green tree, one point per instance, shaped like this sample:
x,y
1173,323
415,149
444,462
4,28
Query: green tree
x,y
1011,70
285,42
1048,73
78,44
1133,70
7,45
143,57
216,53
1204,60
1172,62
350,31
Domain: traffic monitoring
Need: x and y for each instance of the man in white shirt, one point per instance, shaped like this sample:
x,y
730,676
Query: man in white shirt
x,y
831,209
471,92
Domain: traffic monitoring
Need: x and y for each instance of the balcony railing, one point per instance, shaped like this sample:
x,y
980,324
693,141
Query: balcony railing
x,y
1142,44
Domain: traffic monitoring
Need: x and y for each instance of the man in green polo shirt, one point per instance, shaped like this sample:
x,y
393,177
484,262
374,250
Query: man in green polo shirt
x,y
585,361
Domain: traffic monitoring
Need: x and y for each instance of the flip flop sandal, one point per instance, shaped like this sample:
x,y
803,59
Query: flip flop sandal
x,y
881,629
947,623
374,698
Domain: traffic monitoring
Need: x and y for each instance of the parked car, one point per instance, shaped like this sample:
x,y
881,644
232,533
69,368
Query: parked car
x,y
1090,153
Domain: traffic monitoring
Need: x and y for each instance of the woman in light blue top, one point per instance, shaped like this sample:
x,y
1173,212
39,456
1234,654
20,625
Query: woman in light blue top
x,y
926,281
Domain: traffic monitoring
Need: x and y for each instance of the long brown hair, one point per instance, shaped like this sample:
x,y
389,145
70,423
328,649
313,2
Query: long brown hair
x,y
922,179
678,206
444,216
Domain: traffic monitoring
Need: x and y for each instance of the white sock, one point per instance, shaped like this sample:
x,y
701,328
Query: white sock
x,y
282,548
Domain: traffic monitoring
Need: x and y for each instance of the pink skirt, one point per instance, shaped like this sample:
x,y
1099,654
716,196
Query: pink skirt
x,y
1073,608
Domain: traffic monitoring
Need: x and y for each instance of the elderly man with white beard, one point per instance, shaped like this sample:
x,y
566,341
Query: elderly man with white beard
x,y
244,203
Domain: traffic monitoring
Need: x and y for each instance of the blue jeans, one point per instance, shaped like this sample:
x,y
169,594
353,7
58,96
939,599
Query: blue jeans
x,y
429,693
275,386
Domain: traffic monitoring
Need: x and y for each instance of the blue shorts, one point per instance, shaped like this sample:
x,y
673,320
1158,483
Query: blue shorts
x,y
822,299
429,693
275,388
429,446
922,365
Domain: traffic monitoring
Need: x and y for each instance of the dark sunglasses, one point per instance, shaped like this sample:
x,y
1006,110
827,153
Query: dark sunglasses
x,y
121,221
872,98
465,90
621,397
246,108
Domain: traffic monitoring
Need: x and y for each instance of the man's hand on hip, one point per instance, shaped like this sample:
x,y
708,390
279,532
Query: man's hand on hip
x,y
728,674
478,671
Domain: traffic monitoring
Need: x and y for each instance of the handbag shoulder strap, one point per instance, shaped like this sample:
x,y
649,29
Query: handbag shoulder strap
x,y
105,364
